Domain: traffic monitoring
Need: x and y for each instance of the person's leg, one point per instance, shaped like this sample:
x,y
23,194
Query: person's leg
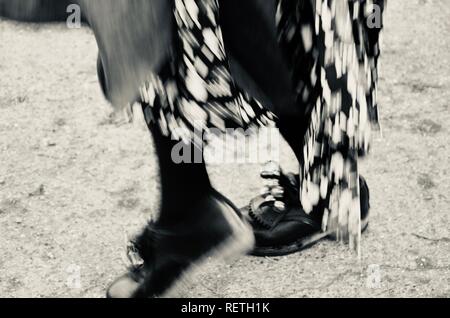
x,y
333,198
183,184
195,221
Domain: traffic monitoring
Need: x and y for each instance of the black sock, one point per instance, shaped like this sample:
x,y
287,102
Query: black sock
x,y
182,184
293,131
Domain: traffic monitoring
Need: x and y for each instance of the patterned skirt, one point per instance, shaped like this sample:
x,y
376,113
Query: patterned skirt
x,y
332,48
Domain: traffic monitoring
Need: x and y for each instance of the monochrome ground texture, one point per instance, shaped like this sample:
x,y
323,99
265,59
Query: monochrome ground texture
x,y
74,180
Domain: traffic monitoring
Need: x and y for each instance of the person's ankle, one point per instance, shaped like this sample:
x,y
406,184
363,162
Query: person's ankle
x,y
185,209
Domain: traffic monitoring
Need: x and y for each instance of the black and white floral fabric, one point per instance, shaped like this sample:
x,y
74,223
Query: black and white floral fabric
x,y
334,38
333,54
196,92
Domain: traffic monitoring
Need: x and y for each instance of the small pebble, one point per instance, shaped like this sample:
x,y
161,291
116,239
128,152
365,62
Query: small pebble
x,y
40,191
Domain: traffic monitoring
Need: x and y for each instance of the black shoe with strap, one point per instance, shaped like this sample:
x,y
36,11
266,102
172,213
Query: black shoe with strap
x,y
171,255
280,224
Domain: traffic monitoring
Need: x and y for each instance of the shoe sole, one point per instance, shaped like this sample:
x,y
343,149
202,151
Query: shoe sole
x,y
301,244
240,242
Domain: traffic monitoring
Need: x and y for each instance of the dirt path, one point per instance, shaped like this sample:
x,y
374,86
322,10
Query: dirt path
x,y
59,148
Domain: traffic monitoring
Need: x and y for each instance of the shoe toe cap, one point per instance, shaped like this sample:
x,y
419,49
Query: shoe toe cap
x,y
123,287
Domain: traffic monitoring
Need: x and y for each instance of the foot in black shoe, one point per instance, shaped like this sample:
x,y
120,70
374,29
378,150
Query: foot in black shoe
x,y
179,250
280,224
139,252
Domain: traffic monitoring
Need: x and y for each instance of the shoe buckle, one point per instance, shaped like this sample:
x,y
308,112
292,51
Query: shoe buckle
x,y
133,255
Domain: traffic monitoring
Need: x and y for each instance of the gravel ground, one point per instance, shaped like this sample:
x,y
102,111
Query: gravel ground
x,y
59,147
